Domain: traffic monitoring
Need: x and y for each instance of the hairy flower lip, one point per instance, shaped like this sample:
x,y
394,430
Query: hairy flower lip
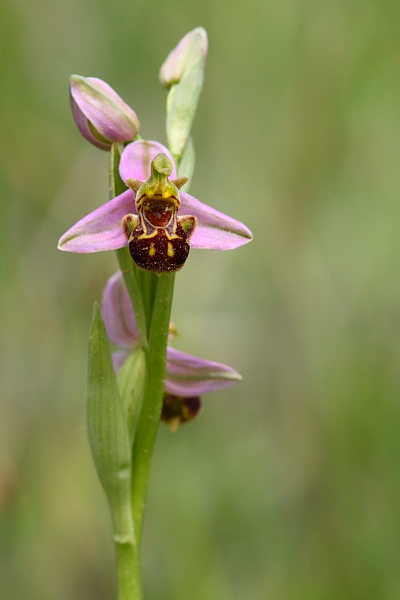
x,y
187,375
101,229
100,113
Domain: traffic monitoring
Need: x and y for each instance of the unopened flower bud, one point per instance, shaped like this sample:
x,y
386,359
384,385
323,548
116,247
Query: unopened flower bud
x,y
183,72
191,49
101,115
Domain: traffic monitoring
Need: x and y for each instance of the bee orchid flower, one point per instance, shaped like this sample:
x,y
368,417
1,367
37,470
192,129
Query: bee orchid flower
x,y
101,229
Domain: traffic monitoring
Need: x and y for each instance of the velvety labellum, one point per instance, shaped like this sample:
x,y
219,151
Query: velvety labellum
x,y
158,239
177,410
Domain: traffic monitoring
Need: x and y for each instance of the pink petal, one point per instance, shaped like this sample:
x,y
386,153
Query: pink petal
x,y
215,230
118,315
101,229
136,159
83,126
108,90
191,376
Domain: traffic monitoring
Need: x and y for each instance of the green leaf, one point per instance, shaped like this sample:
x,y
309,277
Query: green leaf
x,y
108,431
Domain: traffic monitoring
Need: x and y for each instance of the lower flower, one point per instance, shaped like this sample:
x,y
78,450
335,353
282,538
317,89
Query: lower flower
x,y
187,377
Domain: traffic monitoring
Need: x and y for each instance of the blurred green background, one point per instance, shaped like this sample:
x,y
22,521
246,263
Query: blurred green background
x,y
288,486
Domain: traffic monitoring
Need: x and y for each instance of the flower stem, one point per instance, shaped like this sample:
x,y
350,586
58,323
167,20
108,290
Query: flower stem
x,y
129,570
151,296
147,427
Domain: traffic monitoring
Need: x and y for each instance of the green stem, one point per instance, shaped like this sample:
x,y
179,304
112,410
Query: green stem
x,y
129,570
147,427
151,298
148,283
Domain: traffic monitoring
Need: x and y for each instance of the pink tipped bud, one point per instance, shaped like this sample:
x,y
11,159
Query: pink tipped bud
x,y
191,50
101,115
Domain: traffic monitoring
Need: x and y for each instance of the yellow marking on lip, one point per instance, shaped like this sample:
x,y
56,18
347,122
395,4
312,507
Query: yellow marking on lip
x,y
173,236
147,236
170,250
152,250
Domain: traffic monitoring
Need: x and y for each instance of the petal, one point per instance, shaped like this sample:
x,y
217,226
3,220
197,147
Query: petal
x,y
83,126
117,312
136,159
215,230
109,91
104,108
101,229
191,376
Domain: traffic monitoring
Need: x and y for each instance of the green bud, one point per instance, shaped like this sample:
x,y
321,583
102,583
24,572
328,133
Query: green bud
x,y
131,383
191,50
182,109
183,73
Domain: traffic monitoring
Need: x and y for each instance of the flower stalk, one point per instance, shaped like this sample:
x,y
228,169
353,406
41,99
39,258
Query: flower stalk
x,y
111,449
150,414
151,222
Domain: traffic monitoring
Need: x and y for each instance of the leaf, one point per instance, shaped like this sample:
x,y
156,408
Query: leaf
x,y
108,430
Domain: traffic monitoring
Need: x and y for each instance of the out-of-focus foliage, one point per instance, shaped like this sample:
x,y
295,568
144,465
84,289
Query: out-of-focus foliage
x,y
288,486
